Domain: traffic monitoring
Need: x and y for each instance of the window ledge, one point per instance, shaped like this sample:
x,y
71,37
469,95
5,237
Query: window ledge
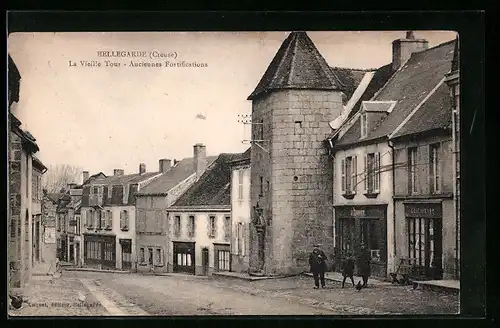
x,y
349,195
371,194
159,265
143,263
108,228
124,229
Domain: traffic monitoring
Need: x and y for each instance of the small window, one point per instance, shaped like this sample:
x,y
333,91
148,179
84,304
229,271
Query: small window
x,y
349,175
261,186
109,219
212,229
240,184
434,169
124,220
142,255
364,125
150,256
158,257
227,227
412,170
177,228
192,225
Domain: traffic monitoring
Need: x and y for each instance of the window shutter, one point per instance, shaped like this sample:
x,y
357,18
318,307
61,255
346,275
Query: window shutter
x,y
354,173
208,226
376,185
100,194
342,170
122,219
105,195
366,175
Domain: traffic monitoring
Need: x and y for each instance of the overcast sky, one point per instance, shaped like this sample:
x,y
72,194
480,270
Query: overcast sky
x,y
105,118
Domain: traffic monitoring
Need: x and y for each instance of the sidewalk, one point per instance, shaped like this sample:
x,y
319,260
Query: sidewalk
x,y
94,270
450,286
337,277
52,296
243,276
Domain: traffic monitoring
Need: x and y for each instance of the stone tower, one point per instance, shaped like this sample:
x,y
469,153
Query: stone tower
x,y
291,175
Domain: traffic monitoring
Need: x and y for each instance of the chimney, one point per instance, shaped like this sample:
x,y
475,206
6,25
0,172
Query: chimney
x,y
86,176
142,168
200,159
165,165
403,48
118,172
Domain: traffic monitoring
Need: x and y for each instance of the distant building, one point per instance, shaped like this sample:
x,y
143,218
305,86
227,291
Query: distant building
x,y
199,226
152,203
49,241
240,212
108,216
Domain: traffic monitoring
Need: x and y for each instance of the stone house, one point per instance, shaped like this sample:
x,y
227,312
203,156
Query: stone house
x,y
22,145
297,104
152,203
108,216
240,212
199,224
363,153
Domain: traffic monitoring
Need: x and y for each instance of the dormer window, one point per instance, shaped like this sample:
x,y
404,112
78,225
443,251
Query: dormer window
x,y
364,125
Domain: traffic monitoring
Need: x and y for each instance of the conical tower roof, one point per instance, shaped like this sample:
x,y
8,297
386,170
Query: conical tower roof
x,y
297,65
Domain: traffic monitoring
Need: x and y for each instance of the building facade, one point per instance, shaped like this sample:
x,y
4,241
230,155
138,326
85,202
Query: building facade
x,y
153,201
49,242
108,216
453,81
365,153
240,213
22,145
199,224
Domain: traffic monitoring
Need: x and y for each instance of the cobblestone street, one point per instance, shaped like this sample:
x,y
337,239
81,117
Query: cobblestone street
x,y
142,295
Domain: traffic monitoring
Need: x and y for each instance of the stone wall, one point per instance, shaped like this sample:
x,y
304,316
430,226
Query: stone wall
x,y
297,201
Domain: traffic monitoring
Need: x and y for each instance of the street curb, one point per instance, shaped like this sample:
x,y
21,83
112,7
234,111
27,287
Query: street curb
x,y
96,270
339,281
251,278
434,288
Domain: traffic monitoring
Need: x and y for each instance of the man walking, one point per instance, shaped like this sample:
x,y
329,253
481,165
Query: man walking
x,y
317,262
364,264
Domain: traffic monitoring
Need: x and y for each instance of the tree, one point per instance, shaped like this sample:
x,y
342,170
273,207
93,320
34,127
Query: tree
x,y
59,176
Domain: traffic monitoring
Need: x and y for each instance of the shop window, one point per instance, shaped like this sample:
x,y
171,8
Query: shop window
x,y
347,235
371,236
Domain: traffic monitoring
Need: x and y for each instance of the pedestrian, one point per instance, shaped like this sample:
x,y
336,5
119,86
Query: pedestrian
x,y
364,264
348,269
317,262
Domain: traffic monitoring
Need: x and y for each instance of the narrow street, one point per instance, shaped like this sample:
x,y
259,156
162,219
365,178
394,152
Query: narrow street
x,y
179,295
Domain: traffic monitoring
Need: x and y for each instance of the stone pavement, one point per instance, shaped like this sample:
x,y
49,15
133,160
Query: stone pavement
x,y
52,296
337,277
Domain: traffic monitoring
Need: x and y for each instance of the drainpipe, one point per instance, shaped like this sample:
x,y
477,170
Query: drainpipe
x,y
455,190
391,145
332,155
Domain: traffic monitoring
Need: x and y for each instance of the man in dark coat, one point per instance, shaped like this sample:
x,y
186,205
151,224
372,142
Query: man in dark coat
x,y
364,264
348,269
317,262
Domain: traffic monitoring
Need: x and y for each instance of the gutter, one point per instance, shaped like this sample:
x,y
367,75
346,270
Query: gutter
x,y
391,145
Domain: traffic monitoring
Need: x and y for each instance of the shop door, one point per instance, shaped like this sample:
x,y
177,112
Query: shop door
x,y
184,257
425,246
373,236
126,245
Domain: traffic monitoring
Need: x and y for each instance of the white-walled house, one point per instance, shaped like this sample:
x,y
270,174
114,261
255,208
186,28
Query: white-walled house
x,y
240,212
199,223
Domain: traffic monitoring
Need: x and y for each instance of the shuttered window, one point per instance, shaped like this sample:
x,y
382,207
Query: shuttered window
x,y
124,224
342,170
212,228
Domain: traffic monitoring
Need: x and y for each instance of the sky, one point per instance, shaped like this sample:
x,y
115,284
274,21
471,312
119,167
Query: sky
x,y
102,118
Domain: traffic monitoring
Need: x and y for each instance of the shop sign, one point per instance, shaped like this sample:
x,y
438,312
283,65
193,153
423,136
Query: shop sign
x,y
423,210
376,212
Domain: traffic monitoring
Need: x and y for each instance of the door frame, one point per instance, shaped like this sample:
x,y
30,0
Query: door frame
x,y
184,248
